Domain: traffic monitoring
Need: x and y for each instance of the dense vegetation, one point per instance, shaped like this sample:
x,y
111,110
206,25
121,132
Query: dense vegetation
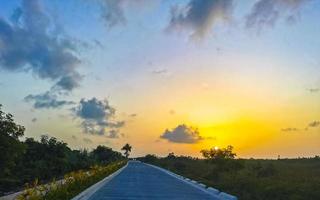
x,y
24,161
73,183
248,179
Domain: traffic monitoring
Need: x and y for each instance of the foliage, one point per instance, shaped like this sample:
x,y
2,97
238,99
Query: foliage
x,y
8,127
171,155
105,154
216,153
250,179
10,147
25,161
44,159
72,184
149,158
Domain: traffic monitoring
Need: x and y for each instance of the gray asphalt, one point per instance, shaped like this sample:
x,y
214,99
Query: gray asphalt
x,y
140,181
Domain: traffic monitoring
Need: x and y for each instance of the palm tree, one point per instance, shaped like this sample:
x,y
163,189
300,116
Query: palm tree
x,y
126,148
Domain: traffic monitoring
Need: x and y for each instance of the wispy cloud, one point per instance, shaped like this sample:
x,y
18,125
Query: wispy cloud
x,y
133,115
266,13
314,90
314,124
46,100
290,129
113,11
68,82
160,71
114,133
200,16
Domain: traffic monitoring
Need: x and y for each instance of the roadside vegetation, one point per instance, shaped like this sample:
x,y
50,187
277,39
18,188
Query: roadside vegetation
x,y
31,161
72,184
248,179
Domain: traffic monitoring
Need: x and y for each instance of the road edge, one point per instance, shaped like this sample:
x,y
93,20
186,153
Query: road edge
x,y
209,190
87,193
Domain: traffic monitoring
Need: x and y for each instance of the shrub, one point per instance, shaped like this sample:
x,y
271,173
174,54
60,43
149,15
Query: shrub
x,y
72,184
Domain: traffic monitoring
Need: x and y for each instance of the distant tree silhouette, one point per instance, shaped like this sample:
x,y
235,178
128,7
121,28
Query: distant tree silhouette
x,y
126,148
149,158
171,155
217,153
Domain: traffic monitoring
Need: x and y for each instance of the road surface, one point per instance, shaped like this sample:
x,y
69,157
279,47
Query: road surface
x,y
143,182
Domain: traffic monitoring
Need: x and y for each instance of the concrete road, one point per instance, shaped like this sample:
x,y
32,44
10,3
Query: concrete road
x,y
143,182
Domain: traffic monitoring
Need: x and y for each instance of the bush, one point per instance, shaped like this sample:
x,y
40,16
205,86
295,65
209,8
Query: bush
x,y
179,166
267,171
72,184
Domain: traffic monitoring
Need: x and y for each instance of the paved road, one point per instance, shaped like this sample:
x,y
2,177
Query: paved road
x,y
140,181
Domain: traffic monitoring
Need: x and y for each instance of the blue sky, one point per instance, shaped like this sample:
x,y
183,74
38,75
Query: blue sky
x,y
208,67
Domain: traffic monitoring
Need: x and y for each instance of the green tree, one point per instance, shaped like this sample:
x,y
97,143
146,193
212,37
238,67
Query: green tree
x,y
80,159
10,146
11,150
127,149
222,161
44,159
105,154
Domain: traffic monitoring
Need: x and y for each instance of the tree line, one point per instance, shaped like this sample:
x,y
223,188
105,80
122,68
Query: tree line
x,y
249,179
24,161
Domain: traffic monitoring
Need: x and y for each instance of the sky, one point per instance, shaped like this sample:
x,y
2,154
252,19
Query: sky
x,y
165,75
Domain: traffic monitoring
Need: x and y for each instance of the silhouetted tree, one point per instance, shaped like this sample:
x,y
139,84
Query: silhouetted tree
x,y
126,148
149,158
217,153
171,156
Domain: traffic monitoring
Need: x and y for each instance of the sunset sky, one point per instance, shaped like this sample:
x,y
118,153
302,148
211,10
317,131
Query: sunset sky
x,y
165,75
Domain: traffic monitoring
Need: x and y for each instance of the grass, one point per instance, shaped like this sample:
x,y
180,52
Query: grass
x,y
251,179
72,184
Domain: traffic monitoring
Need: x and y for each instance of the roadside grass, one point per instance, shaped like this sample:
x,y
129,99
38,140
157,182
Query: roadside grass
x,y
252,179
72,184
